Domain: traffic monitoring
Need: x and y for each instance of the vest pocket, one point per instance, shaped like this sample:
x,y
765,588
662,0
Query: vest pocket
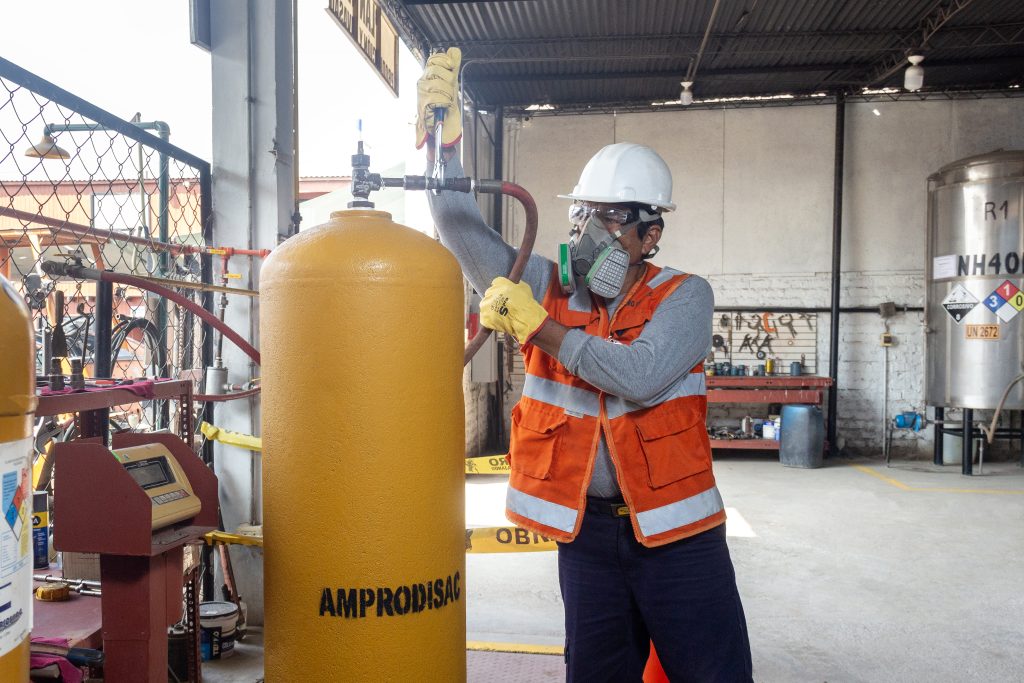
x,y
536,434
674,443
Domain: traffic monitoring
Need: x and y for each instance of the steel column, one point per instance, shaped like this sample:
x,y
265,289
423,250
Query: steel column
x,y
837,252
967,465
498,208
253,193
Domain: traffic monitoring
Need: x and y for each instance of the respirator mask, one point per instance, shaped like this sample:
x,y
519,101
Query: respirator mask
x,y
593,251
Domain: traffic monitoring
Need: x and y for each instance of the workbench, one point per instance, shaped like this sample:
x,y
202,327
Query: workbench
x,y
804,389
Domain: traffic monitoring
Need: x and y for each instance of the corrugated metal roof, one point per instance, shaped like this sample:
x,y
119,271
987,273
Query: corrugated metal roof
x,y
594,52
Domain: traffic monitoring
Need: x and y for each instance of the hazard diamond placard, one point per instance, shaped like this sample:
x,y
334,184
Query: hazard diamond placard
x,y
959,302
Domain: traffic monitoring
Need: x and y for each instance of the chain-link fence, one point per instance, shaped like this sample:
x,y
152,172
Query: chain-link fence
x,y
80,185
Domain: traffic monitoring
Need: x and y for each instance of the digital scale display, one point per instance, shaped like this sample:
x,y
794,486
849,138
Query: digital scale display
x,y
157,472
150,473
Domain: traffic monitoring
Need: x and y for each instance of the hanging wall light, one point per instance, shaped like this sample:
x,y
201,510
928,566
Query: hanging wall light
x,y
913,77
686,96
47,149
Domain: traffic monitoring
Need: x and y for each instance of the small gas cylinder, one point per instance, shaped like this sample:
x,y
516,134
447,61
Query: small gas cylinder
x,y
361,328
17,403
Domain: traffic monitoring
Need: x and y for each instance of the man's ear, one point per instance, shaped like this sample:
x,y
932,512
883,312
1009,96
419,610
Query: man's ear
x,y
650,241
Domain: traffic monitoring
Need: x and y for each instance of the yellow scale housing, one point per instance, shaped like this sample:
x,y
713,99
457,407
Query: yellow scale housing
x,y
158,473
361,325
17,404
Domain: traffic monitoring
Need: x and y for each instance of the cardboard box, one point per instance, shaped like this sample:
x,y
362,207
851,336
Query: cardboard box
x,y
81,566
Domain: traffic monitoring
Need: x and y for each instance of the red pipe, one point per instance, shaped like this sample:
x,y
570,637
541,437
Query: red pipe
x,y
523,255
59,225
205,315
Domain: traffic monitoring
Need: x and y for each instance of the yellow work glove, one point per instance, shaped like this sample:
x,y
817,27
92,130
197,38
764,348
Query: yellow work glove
x,y
510,308
438,87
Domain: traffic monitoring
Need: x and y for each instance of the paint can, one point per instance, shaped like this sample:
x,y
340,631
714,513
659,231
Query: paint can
x,y
795,369
40,530
217,623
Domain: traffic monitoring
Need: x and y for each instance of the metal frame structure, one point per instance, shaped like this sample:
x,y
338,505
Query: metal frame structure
x,y
134,131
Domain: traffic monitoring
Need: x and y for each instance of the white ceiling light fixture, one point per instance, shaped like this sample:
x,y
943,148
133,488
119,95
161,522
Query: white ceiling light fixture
x,y
913,77
686,96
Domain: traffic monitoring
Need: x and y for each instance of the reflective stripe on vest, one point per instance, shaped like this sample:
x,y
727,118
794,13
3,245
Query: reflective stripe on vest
x,y
539,510
681,512
574,400
692,384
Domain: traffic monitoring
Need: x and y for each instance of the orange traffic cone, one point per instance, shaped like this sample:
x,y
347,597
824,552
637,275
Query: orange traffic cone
x,y
654,673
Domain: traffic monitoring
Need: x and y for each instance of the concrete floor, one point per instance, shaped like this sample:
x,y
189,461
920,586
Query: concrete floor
x,y
853,572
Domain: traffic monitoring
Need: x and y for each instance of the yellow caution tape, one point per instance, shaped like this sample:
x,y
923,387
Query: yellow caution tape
x,y
488,464
518,648
506,539
232,539
495,539
246,441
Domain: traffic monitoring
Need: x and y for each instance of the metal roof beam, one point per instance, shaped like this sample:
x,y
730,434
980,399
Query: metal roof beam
x,y
716,73
653,75
671,44
942,12
458,2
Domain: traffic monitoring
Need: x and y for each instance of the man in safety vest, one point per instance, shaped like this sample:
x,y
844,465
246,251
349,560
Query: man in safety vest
x,y
609,453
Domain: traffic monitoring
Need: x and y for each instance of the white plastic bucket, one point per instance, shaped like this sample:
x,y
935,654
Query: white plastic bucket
x,y
217,622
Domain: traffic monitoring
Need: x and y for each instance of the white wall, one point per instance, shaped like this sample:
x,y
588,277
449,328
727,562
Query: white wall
x,y
754,188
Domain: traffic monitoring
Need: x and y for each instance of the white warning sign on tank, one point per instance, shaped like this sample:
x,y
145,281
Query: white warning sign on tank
x,y
958,303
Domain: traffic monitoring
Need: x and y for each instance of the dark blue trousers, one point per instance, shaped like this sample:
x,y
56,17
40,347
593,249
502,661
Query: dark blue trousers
x,y
619,596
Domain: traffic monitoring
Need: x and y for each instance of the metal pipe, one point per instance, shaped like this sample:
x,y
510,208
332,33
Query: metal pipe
x,y
102,352
900,308
695,64
885,401
103,357
498,146
163,192
206,275
837,250
197,286
937,432
105,277
967,463
58,226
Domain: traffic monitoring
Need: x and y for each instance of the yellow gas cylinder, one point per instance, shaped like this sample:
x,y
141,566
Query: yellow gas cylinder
x,y
361,336
17,403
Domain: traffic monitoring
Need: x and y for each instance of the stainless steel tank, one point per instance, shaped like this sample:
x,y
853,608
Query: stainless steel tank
x,y
975,281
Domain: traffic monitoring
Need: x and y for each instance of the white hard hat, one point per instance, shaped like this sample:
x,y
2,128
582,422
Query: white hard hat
x,y
625,173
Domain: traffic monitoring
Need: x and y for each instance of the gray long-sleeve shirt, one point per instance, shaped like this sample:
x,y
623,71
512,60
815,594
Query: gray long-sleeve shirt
x,y
676,338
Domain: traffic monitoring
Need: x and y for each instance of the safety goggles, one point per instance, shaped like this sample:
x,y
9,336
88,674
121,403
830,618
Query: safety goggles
x,y
612,218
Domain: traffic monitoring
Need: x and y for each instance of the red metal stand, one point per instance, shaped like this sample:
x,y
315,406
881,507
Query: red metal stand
x,y
100,509
807,389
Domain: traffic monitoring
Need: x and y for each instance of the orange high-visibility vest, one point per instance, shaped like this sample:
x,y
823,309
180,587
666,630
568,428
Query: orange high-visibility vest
x,y
661,453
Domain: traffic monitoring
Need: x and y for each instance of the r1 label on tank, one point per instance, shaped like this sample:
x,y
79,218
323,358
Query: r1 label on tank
x,y
982,332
